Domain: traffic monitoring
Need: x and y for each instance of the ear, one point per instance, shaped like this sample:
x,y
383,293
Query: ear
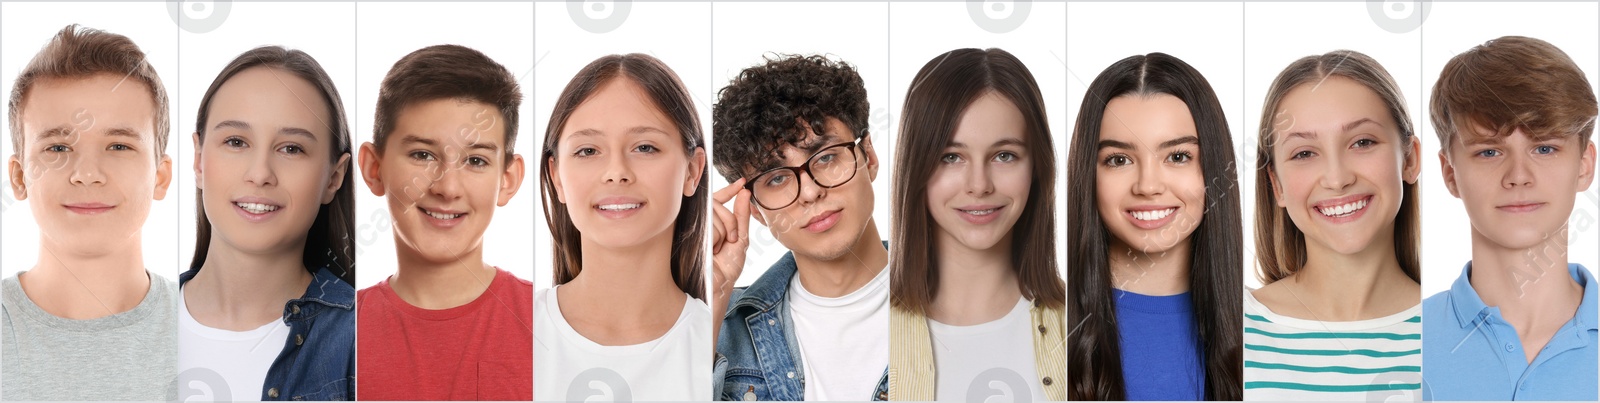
x,y
1277,188
1584,178
163,177
871,155
199,178
370,164
511,179
19,183
555,179
1413,161
1448,171
697,167
337,181
757,212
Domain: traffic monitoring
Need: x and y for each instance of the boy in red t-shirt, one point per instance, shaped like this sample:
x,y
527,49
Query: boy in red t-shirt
x,y
446,325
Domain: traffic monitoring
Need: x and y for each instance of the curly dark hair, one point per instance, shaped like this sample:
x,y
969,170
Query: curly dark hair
x,y
761,110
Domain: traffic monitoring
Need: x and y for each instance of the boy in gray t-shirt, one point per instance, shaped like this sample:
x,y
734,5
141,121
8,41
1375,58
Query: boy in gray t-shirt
x,y
88,123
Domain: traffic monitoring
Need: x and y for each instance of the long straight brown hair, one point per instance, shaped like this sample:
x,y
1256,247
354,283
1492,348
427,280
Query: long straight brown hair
x,y
330,240
1216,258
941,91
669,95
1280,246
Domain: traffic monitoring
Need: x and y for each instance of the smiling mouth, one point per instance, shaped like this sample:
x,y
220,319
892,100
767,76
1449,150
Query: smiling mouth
x,y
441,216
1152,215
256,208
620,207
1344,210
983,212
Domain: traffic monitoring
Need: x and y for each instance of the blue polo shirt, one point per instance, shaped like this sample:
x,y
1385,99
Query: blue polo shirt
x,y
1470,352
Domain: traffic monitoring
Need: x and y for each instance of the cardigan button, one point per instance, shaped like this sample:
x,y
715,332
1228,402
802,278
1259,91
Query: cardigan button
x,y
1048,381
1042,329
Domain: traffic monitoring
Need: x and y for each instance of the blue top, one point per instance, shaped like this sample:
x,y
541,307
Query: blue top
x,y
758,357
318,360
1470,352
1161,356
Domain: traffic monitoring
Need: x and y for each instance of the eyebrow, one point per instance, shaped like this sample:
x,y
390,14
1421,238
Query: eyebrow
x,y
415,139
1002,142
1347,127
293,131
634,130
64,131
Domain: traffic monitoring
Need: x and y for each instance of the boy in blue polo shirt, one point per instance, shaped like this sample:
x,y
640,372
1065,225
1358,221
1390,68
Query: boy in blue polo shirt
x,y
1515,118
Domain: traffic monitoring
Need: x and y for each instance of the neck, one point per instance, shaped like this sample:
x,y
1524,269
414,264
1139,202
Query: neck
x,y
1363,285
239,290
847,273
1158,274
440,284
75,282
633,282
1530,285
976,286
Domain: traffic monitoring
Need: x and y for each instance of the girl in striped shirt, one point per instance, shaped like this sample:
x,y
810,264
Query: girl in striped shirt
x,y
1337,238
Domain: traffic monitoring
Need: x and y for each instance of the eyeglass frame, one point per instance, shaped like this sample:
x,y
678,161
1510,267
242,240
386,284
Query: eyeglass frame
x,y
806,169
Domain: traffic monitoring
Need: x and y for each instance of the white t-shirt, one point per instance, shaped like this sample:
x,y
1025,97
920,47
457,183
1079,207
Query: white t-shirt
x,y
987,357
844,341
676,366
239,360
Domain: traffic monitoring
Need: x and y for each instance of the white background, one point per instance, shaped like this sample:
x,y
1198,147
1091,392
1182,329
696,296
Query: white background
x,y
385,32
677,33
1207,36
324,31
24,29
1455,27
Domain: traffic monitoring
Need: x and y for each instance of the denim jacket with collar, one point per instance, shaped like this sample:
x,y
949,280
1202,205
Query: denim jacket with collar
x,y
318,359
758,357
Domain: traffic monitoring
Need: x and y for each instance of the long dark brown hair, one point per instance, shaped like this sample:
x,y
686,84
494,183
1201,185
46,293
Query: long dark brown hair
x,y
330,240
669,95
941,91
1094,360
1280,245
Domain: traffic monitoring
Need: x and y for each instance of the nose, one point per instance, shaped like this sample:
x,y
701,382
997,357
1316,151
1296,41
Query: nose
x,y
810,191
1519,172
1338,175
1150,181
447,182
87,171
979,183
260,171
618,170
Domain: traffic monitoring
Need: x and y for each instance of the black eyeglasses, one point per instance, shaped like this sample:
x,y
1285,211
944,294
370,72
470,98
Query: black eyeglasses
x,y
829,168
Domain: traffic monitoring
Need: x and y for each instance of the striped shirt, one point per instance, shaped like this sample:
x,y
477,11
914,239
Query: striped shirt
x,y
1290,359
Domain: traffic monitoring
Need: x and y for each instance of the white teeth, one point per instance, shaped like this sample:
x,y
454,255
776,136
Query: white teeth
x,y
256,208
443,216
1343,210
620,207
1152,215
980,212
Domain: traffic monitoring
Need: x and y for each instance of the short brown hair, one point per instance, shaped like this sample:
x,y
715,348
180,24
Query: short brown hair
x,y
1511,83
78,52
446,71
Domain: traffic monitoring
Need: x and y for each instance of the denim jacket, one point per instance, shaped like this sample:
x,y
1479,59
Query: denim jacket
x,y
758,357
318,360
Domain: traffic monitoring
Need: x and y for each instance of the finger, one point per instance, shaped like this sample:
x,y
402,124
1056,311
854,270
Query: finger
x,y
724,223
741,215
727,193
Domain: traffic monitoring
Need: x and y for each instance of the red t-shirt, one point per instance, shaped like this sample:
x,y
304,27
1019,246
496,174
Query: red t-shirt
x,y
479,351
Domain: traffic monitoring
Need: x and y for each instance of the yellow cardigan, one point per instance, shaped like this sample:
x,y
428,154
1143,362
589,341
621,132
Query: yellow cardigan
x,y
911,368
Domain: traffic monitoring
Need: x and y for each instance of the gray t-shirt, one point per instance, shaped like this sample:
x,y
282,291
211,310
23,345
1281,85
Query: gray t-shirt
x,y
127,356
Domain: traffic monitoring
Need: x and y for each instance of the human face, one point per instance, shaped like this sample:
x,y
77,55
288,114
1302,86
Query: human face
x,y
1340,165
89,167
824,223
621,168
444,171
980,186
267,163
1518,189
1149,185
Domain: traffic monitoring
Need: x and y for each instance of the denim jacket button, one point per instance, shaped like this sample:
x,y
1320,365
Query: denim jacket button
x,y
750,394
294,309
299,339
772,321
883,395
272,393
791,374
